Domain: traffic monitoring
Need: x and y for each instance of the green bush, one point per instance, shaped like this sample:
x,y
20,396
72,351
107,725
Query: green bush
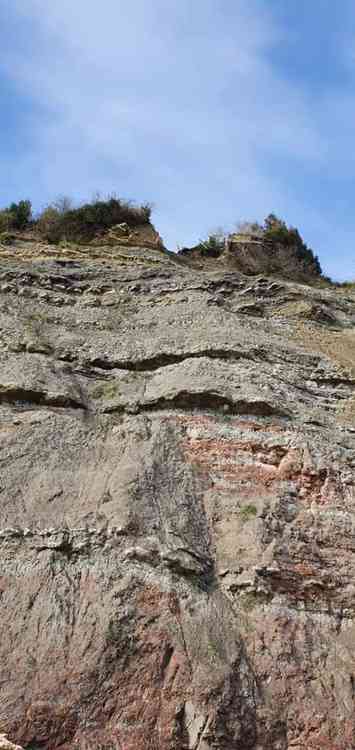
x,y
247,512
61,221
57,222
212,247
16,216
49,224
21,214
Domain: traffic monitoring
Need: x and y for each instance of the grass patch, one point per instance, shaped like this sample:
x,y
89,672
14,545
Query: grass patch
x,y
105,391
248,512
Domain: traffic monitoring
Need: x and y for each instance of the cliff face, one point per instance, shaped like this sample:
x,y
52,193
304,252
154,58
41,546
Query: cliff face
x,y
177,505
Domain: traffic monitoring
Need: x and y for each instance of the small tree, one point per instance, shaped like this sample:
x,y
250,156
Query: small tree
x,y
213,246
272,222
20,214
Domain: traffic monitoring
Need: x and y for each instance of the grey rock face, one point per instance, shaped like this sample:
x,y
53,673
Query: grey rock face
x,y
177,538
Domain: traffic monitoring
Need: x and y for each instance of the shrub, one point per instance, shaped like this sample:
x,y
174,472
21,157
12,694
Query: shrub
x,y
21,214
247,512
16,216
212,247
49,224
62,222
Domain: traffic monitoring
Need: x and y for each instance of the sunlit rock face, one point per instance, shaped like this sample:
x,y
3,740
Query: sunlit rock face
x,y
177,536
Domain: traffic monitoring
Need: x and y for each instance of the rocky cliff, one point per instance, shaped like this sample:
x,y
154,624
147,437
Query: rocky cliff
x,y
177,506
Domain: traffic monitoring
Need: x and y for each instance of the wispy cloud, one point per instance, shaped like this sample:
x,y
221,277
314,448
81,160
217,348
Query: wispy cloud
x,y
175,102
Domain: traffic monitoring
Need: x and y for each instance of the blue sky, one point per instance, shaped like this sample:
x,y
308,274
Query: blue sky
x,y
214,110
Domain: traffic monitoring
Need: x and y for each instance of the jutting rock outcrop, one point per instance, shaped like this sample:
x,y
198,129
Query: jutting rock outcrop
x,y
177,507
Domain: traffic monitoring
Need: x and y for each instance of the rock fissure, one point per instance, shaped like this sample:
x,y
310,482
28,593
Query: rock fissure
x,y
150,364
185,401
18,395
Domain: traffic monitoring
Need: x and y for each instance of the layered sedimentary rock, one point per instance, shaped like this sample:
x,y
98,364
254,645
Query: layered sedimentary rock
x,y
177,536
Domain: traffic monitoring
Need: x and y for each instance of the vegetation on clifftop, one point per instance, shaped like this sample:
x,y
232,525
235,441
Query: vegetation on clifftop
x,y
274,232
277,232
282,246
211,247
62,221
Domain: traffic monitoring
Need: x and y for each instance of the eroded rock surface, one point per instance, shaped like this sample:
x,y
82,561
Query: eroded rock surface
x,y
5,744
177,506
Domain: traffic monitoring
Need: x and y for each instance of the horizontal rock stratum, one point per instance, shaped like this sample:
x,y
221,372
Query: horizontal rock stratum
x,y
177,507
